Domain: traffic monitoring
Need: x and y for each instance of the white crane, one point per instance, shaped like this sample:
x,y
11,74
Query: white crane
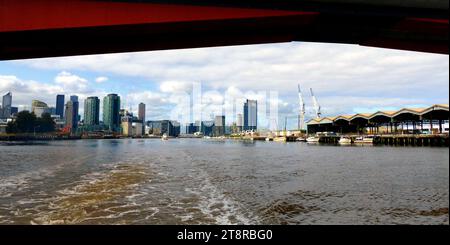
x,y
315,104
301,119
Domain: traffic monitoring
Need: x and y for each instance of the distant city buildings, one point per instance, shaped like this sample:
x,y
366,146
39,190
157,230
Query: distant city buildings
x,y
111,109
250,115
92,111
60,105
121,121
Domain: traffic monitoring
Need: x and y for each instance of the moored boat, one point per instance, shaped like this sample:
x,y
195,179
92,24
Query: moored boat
x,y
364,140
313,139
345,140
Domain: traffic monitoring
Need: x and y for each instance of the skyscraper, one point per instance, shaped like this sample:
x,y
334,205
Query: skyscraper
x,y
111,109
239,122
6,104
250,115
76,105
141,113
60,105
74,98
92,111
71,116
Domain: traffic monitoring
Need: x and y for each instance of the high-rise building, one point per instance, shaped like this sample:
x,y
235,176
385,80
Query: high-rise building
x,y
71,114
92,111
219,125
250,115
6,105
60,105
141,113
74,98
239,122
111,109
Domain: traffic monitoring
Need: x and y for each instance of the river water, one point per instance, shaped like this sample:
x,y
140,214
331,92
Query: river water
x,y
197,181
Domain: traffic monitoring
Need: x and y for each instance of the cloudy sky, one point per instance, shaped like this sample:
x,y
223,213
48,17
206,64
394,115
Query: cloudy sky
x,y
345,78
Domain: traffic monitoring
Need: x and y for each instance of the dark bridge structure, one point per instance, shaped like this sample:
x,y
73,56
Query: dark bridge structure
x,y
48,28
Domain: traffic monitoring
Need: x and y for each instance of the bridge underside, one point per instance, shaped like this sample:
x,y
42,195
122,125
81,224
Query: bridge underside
x,y
46,28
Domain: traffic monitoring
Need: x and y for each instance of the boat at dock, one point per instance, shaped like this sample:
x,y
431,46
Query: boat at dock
x,y
344,140
164,137
301,139
313,139
364,140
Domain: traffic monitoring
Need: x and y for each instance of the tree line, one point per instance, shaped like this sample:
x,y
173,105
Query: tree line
x,y
27,122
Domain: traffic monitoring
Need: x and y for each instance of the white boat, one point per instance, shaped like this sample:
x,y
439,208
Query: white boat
x,y
313,139
301,139
345,140
164,137
364,140
268,139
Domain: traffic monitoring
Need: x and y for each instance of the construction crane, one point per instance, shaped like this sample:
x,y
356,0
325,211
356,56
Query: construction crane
x,y
315,104
301,115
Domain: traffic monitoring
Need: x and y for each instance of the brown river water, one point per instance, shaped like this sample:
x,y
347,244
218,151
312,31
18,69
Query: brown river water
x,y
197,181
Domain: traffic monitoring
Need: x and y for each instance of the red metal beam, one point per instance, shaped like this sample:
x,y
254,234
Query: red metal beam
x,y
25,15
47,28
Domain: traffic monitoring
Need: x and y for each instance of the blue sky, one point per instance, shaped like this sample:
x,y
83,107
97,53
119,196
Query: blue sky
x,y
346,78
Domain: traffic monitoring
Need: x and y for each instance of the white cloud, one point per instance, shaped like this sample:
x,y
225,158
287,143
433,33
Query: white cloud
x,y
101,79
71,82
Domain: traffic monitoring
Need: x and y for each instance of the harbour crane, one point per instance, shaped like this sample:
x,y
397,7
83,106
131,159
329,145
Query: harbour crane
x,y
315,104
301,116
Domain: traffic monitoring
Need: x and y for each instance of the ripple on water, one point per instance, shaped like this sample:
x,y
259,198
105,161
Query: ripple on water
x,y
96,197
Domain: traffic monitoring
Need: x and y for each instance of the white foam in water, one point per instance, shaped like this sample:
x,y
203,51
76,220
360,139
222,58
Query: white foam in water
x,y
219,207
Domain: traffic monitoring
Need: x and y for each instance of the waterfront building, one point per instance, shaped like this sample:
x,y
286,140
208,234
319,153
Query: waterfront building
x,y
428,120
219,126
192,128
207,128
92,111
138,128
60,105
126,125
111,112
141,112
250,115
160,127
39,108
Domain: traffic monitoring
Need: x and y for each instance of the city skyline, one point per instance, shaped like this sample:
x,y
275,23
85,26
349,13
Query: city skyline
x,y
345,78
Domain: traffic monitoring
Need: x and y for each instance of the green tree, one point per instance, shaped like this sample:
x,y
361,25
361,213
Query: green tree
x,y
45,123
11,128
25,122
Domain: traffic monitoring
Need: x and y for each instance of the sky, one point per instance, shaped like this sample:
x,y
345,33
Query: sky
x,y
346,79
